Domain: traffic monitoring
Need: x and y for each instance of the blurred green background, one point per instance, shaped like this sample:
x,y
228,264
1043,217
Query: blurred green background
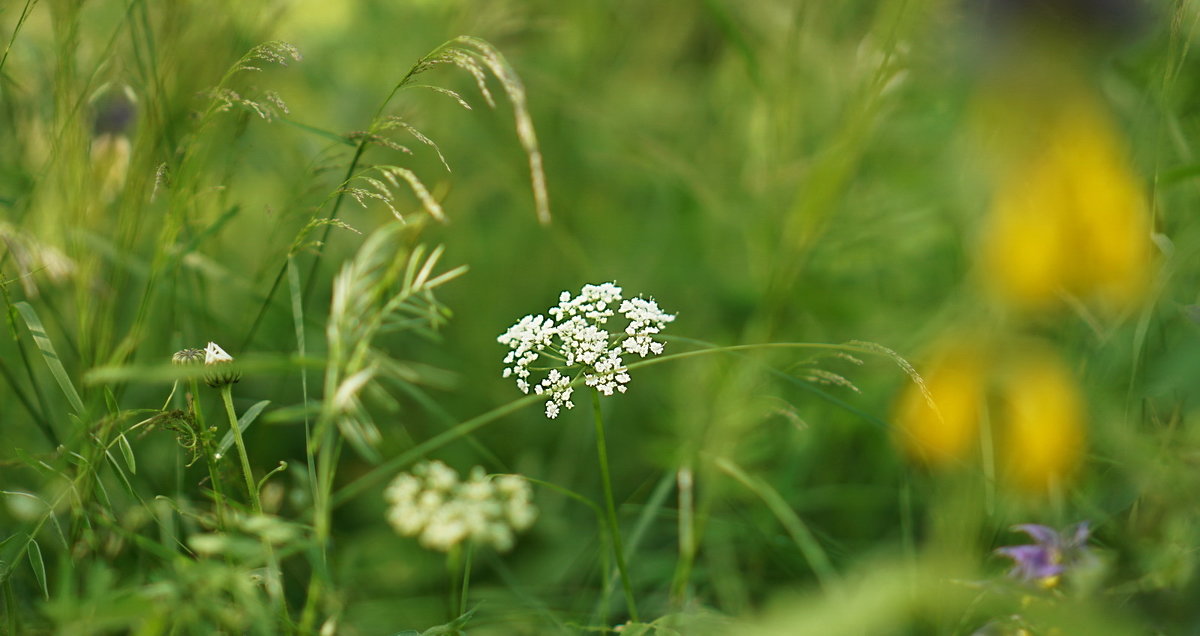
x,y
771,171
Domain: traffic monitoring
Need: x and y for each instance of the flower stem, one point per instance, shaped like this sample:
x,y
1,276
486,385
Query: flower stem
x,y
227,397
274,582
611,509
202,434
454,569
466,580
687,536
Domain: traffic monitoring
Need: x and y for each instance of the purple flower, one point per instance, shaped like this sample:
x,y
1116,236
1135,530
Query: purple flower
x,y
1051,554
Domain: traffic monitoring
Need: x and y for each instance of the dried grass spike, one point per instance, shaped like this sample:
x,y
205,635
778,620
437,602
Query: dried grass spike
x,y
524,123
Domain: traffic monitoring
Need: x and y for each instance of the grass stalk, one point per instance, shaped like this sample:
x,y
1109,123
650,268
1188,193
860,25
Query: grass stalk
x,y
687,536
796,528
610,507
466,579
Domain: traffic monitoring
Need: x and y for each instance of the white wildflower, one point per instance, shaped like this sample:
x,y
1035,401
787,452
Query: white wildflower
x,y
645,320
577,337
220,373
434,505
214,354
558,387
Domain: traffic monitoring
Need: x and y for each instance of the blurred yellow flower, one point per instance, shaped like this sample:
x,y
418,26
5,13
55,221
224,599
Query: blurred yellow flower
x,y
955,385
1041,424
1068,215
1038,419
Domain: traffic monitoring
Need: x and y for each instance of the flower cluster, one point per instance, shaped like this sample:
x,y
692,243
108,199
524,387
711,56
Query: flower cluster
x,y
577,336
432,504
1051,555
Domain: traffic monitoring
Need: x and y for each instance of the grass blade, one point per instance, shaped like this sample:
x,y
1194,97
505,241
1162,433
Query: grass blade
x,y
51,356
243,423
127,453
801,535
39,566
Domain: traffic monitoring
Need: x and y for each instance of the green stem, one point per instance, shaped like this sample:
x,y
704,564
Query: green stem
x,y
687,536
326,442
227,397
453,569
827,577
611,509
274,575
202,438
466,580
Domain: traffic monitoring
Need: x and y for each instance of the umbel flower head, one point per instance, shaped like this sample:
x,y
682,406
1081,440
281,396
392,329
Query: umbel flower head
x,y
1051,555
576,337
220,365
432,504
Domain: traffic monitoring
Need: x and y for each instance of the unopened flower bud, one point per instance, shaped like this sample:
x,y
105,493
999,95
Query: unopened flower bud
x,y
188,356
219,363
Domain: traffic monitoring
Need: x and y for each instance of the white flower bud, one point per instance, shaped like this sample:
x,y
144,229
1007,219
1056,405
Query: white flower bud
x,y
220,373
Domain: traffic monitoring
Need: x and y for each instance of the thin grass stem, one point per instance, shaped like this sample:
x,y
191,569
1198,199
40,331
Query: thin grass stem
x,y
466,579
796,528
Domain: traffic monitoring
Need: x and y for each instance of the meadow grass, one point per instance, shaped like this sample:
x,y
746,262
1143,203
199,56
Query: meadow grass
x,y
927,271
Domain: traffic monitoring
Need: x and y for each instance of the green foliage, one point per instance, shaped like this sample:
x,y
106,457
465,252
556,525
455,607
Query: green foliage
x,y
784,176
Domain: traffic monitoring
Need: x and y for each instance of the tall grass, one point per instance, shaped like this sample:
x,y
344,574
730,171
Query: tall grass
x,y
354,201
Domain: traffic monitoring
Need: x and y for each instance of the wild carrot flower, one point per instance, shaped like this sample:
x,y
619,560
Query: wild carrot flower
x,y
432,504
577,337
219,363
1051,555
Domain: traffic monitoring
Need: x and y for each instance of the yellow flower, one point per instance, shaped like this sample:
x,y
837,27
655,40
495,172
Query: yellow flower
x,y
1041,424
955,381
1069,215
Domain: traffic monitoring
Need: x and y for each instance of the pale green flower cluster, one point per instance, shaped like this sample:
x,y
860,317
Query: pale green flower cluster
x,y
442,511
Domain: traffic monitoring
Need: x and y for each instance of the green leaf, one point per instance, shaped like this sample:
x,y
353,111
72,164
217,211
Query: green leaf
x,y
120,473
456,626
39,566
51,356
127,452
110,399
243,423
320,132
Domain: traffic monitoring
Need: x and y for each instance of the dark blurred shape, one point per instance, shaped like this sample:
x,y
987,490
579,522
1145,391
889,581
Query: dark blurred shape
x,y
1106,22
114,113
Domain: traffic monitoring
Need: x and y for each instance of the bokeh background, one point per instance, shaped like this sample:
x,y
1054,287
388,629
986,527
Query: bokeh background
x,y
771,171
